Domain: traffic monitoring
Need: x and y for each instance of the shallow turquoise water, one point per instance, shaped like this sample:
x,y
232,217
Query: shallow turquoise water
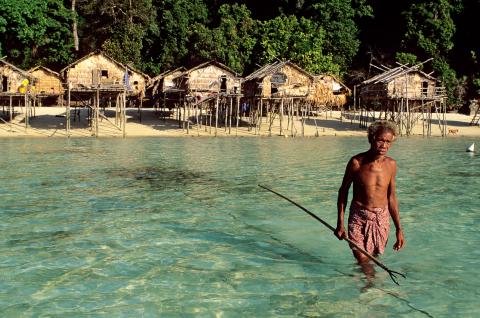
x,y
177,227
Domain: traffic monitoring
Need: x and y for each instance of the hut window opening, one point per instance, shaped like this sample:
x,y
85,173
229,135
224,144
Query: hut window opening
x,y
279,78
223,83
135,83
105,73
424,88
4,83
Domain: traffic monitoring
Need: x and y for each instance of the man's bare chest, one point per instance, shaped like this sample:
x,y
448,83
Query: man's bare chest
x,y
373,174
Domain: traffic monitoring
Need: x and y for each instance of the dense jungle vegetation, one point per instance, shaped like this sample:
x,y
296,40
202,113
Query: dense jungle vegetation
x,y
337,36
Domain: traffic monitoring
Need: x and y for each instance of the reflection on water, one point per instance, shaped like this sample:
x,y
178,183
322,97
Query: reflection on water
x,y
143,226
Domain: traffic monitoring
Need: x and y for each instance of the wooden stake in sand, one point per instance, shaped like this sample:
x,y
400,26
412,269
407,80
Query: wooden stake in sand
x,y
392,273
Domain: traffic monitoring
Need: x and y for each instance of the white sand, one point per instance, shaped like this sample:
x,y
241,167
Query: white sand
x,y
50,122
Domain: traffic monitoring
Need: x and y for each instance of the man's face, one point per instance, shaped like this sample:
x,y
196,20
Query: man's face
x,y
382,142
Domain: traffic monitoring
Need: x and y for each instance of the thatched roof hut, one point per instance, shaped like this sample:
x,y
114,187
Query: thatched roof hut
x,y
327,90
207,78
49,83
97,69
13,79
402,82
164,82
278,79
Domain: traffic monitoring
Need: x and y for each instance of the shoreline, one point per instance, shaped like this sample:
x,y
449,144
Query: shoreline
x,y
50,122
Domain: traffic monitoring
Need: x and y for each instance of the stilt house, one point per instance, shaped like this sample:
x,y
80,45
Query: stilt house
x,y
329,92
14,80
99,70
399,84
49,84
163,83
279,79
405,94
207,79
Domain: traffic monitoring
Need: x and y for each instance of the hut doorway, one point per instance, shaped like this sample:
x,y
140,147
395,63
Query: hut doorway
x,y
4,83
424,88
223,83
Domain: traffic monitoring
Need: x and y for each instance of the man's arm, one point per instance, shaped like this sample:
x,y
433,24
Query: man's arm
x,y
393,207
343,198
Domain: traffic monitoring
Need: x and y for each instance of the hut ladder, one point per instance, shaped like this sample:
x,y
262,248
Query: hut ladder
x,y
476,117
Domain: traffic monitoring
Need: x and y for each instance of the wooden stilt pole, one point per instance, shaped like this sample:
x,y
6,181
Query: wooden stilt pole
x,y
261,116
423,118
212,105
124,113
117,117
216,115
25,110
238,114
292,112
281,117
10,109
67,113
187,115
230,116
97,111
198,120
184,115
303,120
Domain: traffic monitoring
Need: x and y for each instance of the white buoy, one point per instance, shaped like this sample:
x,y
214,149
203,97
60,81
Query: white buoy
x,y
471,148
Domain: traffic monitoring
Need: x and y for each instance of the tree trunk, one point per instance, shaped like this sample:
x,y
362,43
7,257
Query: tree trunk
x,y
74,26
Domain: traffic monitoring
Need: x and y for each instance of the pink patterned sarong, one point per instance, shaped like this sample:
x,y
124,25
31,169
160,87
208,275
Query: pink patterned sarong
x,y
369,228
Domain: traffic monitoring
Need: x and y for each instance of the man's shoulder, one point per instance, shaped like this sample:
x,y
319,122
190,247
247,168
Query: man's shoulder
x,y
390,160
358,157
357,160
391,164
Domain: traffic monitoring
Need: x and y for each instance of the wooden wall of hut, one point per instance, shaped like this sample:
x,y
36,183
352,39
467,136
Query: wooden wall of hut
x,y
411,86
12,81
98,69
159,85
94,70
138,83
209,79
48,83
167,81
296,83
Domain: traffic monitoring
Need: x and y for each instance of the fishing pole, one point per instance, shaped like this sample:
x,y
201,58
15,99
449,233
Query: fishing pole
x,y
392,273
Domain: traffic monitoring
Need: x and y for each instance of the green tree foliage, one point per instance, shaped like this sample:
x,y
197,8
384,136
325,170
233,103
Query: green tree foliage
x,y
406,58
338,36
118,27
338,18
35,32
232,42
299,40
430,28
170,46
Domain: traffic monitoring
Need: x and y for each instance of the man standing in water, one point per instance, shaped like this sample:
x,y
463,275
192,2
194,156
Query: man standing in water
x,y
374,201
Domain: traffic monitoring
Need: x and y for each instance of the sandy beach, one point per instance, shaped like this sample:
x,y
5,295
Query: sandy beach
x,y
51,122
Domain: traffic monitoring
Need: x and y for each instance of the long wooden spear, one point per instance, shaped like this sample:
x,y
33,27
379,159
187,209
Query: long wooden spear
x,y
392,273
